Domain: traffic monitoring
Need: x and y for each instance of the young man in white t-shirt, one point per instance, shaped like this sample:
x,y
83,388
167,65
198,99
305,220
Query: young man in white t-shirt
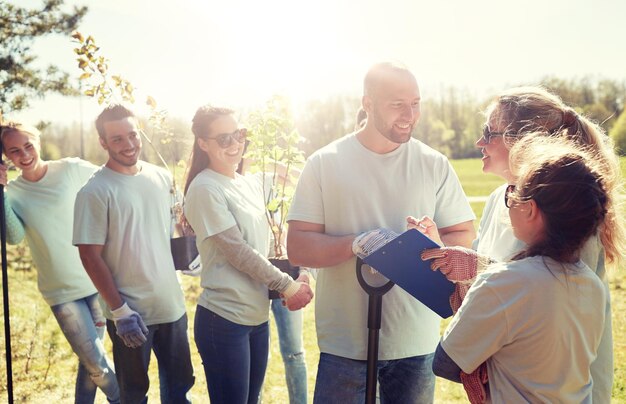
x,y
122,227
374,178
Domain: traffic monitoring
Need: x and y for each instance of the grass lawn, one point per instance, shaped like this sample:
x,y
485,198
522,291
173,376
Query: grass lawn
x,y
44,366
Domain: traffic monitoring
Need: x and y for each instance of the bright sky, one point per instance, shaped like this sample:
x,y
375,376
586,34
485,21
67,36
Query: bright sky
x,y
187,53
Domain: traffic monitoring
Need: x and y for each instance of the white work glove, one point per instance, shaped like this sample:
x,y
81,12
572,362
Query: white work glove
x,y
195,268
298,294
130,327
366,243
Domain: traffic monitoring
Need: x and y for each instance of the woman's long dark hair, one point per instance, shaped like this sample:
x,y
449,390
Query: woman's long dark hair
x,y
567,184
200,127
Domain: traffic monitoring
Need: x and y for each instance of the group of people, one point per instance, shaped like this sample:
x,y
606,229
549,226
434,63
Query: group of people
x,y
532,307
119,217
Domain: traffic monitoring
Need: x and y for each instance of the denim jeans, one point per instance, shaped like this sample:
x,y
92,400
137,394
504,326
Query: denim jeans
x,y
289,327
171,347
342,381
82,323
234,357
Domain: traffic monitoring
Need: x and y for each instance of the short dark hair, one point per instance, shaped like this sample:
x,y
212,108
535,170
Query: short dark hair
x,y
113,112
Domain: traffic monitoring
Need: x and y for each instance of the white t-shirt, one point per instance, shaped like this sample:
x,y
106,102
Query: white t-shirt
x,y
537,328
46,208
495,235
350,189
213,204
496,240
130,216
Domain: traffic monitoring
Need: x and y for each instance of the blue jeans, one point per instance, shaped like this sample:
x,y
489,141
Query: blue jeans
x,y
342,381
289,327
234,357
82,323
171,347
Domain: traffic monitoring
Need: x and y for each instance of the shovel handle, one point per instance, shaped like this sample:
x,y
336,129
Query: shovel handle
x,y
369,289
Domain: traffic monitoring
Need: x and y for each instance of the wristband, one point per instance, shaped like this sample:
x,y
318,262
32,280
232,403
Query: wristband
x,y
292,289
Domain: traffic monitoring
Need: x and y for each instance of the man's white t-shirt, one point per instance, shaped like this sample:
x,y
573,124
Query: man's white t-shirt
x,y
350,189
537,323
46,208
130,216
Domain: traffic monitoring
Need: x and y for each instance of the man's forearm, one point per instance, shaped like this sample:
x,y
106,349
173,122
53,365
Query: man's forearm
x,y
317,250
462,238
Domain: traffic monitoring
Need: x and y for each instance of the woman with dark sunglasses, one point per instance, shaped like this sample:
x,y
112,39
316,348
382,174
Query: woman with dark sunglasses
x,y
511,116
227,212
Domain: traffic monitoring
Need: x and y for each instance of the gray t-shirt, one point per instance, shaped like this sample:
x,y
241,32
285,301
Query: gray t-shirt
x,y
350,189
46,208
496,240
215,203
537,329
130,216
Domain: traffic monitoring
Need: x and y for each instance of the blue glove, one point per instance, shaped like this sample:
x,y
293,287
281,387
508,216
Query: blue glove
x,y
130,327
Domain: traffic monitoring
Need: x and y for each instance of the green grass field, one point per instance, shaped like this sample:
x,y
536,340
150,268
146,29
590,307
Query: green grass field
x,y
44,366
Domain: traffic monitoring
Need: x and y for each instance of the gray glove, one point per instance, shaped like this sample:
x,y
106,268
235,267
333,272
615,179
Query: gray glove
x,y
130,327
367,242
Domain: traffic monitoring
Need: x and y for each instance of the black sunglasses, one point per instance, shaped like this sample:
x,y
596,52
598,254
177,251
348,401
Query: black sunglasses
x,y
488,134
225,140
509,190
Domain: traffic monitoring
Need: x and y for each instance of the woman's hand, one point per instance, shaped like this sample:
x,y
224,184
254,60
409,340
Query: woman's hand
x,y
458,264
301,298
426,226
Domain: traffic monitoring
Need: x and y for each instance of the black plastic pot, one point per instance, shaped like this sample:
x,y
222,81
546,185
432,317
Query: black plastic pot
x,y
184,251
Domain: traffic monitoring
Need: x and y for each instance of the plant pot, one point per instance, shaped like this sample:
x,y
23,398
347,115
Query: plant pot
x,y
284,265
184,251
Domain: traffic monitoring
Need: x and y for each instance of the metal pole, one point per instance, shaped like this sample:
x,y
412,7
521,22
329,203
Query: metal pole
x,y
5,292
80,118
374,315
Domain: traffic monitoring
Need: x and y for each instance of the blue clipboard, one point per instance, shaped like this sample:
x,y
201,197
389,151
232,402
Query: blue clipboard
x,y
399,260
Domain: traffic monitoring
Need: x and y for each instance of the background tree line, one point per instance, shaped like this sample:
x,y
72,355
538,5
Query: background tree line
x,y
451,122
